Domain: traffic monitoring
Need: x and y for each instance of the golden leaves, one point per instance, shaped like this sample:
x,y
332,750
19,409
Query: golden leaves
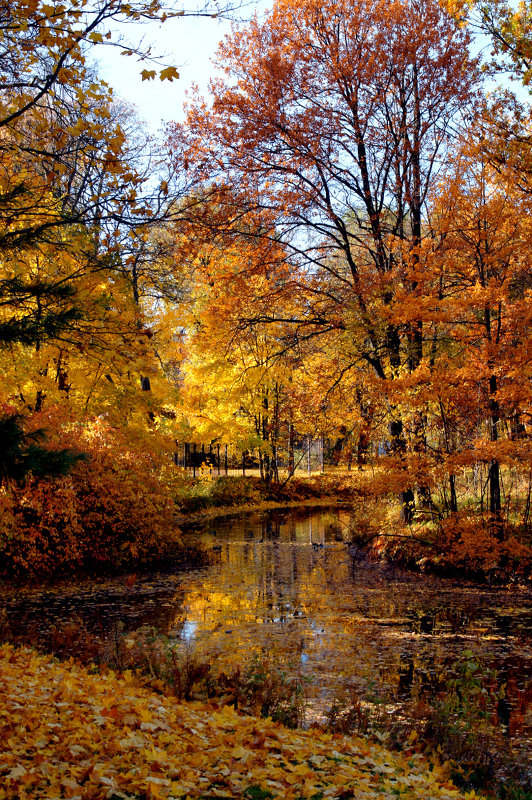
x,y
169,74
69,733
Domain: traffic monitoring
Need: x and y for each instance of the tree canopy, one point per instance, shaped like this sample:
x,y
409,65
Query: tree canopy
x,y
333,247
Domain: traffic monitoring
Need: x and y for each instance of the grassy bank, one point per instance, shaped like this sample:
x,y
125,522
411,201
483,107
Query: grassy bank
x,y
225,493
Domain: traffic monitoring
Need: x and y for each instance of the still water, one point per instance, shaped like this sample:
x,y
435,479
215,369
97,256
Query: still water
x,y
286,584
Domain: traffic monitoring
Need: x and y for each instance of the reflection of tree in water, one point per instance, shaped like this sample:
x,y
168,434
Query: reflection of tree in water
x,y
267,553
285,583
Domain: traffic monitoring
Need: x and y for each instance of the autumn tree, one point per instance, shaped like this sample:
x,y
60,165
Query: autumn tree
x,y
256,385
80,187
62,223
44,46
231,390
505,122
480,321
62,150
334,119
510,30
78,190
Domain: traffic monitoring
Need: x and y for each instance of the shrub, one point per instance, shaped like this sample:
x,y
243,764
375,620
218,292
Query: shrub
x,y
40,528
261,686
127,512
114,510
298,488
463,723
473,543
228,491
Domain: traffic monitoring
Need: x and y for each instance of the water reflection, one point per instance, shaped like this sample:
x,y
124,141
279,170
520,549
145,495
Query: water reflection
x,y
287,583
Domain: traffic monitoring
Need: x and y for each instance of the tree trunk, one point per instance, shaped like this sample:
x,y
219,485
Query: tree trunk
x,y
291,458
453,504
406,496
494,469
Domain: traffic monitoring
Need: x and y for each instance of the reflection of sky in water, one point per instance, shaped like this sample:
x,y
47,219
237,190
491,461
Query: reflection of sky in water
x,y
188,631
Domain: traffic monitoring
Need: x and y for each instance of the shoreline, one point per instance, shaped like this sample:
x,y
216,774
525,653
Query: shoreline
x,y
186,519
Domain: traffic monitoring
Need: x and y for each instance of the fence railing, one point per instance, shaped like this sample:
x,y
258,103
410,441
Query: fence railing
x,y
307,456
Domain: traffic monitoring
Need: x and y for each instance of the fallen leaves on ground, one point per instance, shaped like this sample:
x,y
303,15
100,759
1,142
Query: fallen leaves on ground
x,y
70,733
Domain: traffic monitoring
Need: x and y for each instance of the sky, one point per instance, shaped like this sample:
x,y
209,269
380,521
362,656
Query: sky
x,y
187,43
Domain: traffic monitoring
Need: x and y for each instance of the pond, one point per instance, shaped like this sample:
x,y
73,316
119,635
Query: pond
x,y
286,583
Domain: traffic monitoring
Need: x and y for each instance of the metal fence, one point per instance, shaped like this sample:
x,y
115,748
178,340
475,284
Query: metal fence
x,y
307,456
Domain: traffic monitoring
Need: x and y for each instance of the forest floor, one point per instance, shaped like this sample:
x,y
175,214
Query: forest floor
x,y
74,733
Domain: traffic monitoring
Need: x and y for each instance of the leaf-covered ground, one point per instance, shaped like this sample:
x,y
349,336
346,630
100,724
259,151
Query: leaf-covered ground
x,y
67,733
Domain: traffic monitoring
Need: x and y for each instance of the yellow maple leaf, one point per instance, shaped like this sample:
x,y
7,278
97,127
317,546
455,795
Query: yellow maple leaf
x,y
169,74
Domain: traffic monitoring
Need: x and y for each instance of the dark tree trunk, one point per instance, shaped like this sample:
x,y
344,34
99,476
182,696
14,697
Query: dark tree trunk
x,y
453,504
494,469
406,496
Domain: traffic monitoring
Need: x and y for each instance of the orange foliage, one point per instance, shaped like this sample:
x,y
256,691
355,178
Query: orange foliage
x,y
115,509
471,542
40,529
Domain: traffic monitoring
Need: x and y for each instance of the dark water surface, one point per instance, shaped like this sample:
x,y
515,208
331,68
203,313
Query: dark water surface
x,y
286,583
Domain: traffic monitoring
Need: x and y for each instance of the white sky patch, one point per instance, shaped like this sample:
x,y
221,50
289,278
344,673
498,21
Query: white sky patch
x,y
188,43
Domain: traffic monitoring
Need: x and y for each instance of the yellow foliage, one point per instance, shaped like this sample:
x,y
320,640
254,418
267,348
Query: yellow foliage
x,y
69,733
